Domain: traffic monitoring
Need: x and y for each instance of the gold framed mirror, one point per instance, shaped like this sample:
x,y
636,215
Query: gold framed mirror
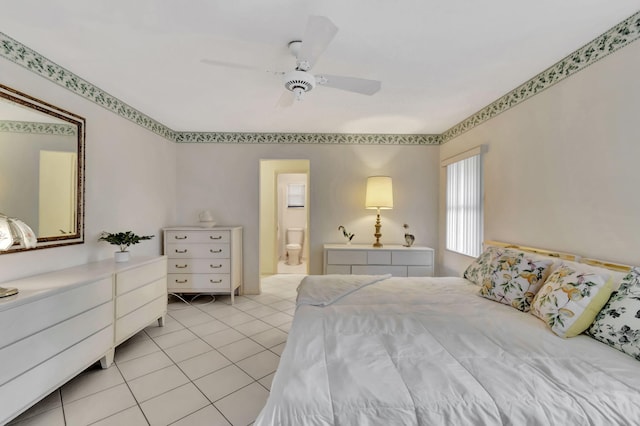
x,y
42,151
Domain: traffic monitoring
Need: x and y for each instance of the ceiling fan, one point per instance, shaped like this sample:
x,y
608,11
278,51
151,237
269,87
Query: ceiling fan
x,y
317,36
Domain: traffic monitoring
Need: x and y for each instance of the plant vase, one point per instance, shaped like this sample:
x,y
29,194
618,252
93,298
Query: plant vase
x,y
122,256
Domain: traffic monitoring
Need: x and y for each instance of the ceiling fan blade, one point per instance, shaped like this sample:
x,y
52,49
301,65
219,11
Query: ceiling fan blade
x,y
319,33
229,65
350,84
286,100
238,66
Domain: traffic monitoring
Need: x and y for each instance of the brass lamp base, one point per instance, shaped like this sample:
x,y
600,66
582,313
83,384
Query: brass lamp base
x,y
378,225
6,292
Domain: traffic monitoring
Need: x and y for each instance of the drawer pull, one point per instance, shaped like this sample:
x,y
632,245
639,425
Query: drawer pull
x,y
215,251
181,266
216,267
219,237
215,282
180,238
182,281
181,251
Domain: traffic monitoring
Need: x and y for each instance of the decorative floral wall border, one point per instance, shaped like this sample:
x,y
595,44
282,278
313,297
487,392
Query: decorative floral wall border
x,y
308,138
614,39
33,61
39,128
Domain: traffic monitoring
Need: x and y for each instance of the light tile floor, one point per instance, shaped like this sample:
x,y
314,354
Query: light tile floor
x,y
211,364
283,268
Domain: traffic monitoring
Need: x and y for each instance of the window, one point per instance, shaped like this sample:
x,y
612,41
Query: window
x,y
295,195
464,203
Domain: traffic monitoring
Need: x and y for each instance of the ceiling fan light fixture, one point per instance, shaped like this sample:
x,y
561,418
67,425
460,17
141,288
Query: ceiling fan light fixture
x,y
298,92
299,82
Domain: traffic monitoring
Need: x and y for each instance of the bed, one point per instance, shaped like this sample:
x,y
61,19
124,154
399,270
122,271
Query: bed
x,y
431,351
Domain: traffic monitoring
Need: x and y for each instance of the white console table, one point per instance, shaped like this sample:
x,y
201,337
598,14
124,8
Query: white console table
x,y
62,322
362,259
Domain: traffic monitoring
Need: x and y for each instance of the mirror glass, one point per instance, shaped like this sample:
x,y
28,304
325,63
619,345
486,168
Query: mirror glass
x,y
41,168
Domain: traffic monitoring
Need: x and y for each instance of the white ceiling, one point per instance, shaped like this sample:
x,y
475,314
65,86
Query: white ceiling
x,y
439,61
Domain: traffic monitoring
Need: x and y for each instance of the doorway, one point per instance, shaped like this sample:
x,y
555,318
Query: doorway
x,y
284,206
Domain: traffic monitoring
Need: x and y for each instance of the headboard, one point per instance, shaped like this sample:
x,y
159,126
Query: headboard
x,y
565,256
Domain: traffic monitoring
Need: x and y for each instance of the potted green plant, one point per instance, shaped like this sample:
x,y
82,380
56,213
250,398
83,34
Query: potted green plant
x,y
123,240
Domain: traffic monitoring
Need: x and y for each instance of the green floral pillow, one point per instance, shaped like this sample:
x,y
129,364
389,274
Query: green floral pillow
x,y
618,323
480,269
515,278
571,298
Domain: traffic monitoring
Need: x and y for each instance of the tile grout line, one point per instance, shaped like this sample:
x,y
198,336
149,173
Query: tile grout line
x,y
195,385
133,395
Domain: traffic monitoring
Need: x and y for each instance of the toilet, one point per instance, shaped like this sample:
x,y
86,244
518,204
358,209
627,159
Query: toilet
x,y
295,238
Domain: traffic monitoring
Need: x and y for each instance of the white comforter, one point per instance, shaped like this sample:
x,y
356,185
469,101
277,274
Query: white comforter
x,y
429,351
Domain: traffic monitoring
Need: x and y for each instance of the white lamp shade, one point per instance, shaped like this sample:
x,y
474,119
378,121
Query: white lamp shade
x,y
379,193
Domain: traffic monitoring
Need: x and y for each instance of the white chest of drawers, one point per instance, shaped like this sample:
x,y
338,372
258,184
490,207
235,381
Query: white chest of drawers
x,y
62,322
204,260
362,259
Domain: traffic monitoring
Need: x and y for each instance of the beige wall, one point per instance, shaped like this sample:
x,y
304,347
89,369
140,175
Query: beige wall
x,y
130,180
136,180
561,171
225,179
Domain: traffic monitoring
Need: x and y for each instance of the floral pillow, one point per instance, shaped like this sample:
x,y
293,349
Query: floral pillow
x,y
480,269
571,298
515,279
618,323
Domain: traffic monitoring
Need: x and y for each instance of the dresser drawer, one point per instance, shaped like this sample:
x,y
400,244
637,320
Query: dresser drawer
x,y
37,348
141,317
379,257
343,257
203,236
198,250
338,269
204,282
199,266
135,299
139,276
26,389
419,271
30,318
418,258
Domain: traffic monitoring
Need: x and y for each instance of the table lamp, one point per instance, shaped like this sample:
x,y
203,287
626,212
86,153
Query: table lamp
x,y
379,196
14,230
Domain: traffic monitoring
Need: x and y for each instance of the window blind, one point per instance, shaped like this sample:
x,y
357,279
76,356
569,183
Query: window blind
x,y
295,195
464,206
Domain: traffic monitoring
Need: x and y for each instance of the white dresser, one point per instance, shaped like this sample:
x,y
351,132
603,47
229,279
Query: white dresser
x,y
204,260
62,322
363,259
140,289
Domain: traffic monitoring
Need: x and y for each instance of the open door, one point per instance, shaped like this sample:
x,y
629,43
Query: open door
x,y
269,244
